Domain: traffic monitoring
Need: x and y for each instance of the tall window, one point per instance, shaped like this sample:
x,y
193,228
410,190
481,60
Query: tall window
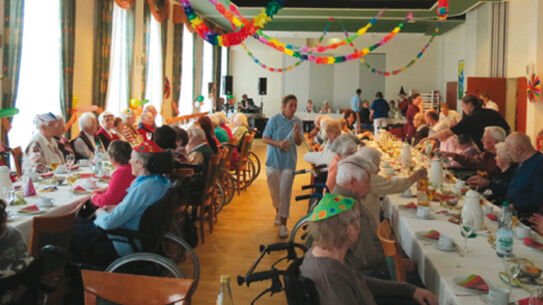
x,y
224,68
39,81
153,85
185,103
117,91
207,76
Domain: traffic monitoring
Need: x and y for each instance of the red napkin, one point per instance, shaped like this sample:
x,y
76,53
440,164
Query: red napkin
x,y
526,301
474,282
30,209
530,242
410,205
80,189
86,175
492,217
47,175
432,234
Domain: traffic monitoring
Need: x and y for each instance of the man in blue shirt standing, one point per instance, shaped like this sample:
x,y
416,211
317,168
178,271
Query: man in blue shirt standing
x,y
526,188
379,112
282,134
355,101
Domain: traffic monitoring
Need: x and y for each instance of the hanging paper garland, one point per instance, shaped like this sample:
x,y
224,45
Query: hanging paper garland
x,y
443,7
235,38
534,88
272,69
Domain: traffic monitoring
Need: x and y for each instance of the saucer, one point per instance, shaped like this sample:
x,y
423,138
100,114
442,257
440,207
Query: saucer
x,y
429,217
453,249
420,235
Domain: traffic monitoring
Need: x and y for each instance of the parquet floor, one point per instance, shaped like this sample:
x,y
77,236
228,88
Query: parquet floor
x,y
242,226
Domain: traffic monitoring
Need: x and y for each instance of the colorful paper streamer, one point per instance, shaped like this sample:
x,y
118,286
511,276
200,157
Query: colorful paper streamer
x,y
534,88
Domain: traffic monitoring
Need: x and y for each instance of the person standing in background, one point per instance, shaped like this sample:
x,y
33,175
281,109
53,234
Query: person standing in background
x,y
282,134
403,102
379,112
488,103
414,108
310,108
355,101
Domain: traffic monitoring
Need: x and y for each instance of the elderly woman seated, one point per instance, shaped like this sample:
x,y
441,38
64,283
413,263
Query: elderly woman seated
x,y
146,126
241,127
422,129
149,164
344,146
129,132
181,141
335,225
85,143
219,132
43,150
119,154
199,150
107,133
332,130
207,126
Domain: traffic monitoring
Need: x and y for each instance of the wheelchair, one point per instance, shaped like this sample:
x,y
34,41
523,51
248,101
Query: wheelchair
x,y
298,289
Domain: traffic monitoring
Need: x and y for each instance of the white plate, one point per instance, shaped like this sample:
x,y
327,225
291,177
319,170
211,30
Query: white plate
x,y
420,235
429,217
403,195
453,249
461,278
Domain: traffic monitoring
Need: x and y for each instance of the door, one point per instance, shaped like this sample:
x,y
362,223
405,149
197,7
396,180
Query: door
x,y
520,122
496,87
451,94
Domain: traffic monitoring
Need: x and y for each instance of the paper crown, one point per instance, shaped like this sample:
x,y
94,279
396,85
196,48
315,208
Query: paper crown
x,y
331,205
147,147
402,91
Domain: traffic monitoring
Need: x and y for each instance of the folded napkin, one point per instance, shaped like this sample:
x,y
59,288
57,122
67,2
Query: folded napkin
x,y
49,189
85,175
47,175
492,217
454,219
526,301
410,205
75,167
443,197
30,209
474,282
81,190
432,234
530,242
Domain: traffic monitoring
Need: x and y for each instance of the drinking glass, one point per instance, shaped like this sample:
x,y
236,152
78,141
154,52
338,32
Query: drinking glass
x,y
536,296
512,269
71,181
53,166
466,230
70,160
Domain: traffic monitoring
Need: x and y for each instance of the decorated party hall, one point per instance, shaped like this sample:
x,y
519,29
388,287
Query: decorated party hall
x,y
271,152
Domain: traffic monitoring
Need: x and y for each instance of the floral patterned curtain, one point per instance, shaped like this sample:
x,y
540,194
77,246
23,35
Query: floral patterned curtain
x,y
126,4
102,50
177,60
67,24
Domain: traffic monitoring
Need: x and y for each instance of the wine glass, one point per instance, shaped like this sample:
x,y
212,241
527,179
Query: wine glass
x,y
512,269
53,165
536,296
466,230
70,160
71,181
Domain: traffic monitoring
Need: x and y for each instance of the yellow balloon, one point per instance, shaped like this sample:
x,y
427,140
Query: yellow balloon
x,y
134,102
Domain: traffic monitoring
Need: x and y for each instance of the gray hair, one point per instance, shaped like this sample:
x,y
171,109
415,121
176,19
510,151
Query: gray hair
x,y
353,167
332,232
370,154
85,120
214,119
345,144
196,132
497,133
501,150
103,115
221,117
240,119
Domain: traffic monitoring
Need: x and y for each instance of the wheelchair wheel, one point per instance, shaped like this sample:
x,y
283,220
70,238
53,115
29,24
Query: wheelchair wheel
x,y
229,185
256,162
220,199
250,172
145,263
300,232
181,254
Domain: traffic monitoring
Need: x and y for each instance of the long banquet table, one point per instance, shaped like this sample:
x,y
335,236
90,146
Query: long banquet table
x,y
63,201
438,268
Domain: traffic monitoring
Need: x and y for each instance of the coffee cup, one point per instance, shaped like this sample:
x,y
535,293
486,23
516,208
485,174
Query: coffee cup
x,y
423,212
61,169
84,162
522,231
45,202
445,242
498,296
488,209
460,184
91,183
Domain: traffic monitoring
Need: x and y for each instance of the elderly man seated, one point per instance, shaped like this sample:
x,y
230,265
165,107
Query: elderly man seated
x,y
199,150
381,186
107,132
335,226
130,133
526,188
484,161
43,151
85,143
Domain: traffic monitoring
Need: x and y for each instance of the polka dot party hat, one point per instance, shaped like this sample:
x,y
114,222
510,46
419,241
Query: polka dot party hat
x,y
147,147
331,205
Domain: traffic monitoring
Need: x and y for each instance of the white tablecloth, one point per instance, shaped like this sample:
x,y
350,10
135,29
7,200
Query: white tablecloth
x,y
437,268
63,199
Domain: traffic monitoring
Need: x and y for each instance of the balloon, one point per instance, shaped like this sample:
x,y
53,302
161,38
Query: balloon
x,y
134,103
8,112
230,96
143,102
200,98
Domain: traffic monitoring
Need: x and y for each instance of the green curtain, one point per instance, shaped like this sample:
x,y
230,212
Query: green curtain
x,y
164,40
177,61
102,50
130,30
13,36
67,24
146,42
217,73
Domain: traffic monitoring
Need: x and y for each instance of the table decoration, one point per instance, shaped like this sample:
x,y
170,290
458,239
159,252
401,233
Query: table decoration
x,y
80,190
410,205
49,189
473,282
432,235
533,244
31,209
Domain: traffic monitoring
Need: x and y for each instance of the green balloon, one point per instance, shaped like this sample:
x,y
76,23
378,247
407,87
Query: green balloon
x,y
143,102
230,96
200,98
8,112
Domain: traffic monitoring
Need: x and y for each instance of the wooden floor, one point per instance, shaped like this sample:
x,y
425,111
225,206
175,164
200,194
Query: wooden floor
x,y
242,226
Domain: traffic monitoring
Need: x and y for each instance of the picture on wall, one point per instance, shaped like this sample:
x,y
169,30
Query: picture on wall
x,y
460,79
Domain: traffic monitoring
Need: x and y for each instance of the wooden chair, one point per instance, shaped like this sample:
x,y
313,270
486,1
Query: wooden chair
x,y
207,205
243,162
51,230
17,155
390,247
135,289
